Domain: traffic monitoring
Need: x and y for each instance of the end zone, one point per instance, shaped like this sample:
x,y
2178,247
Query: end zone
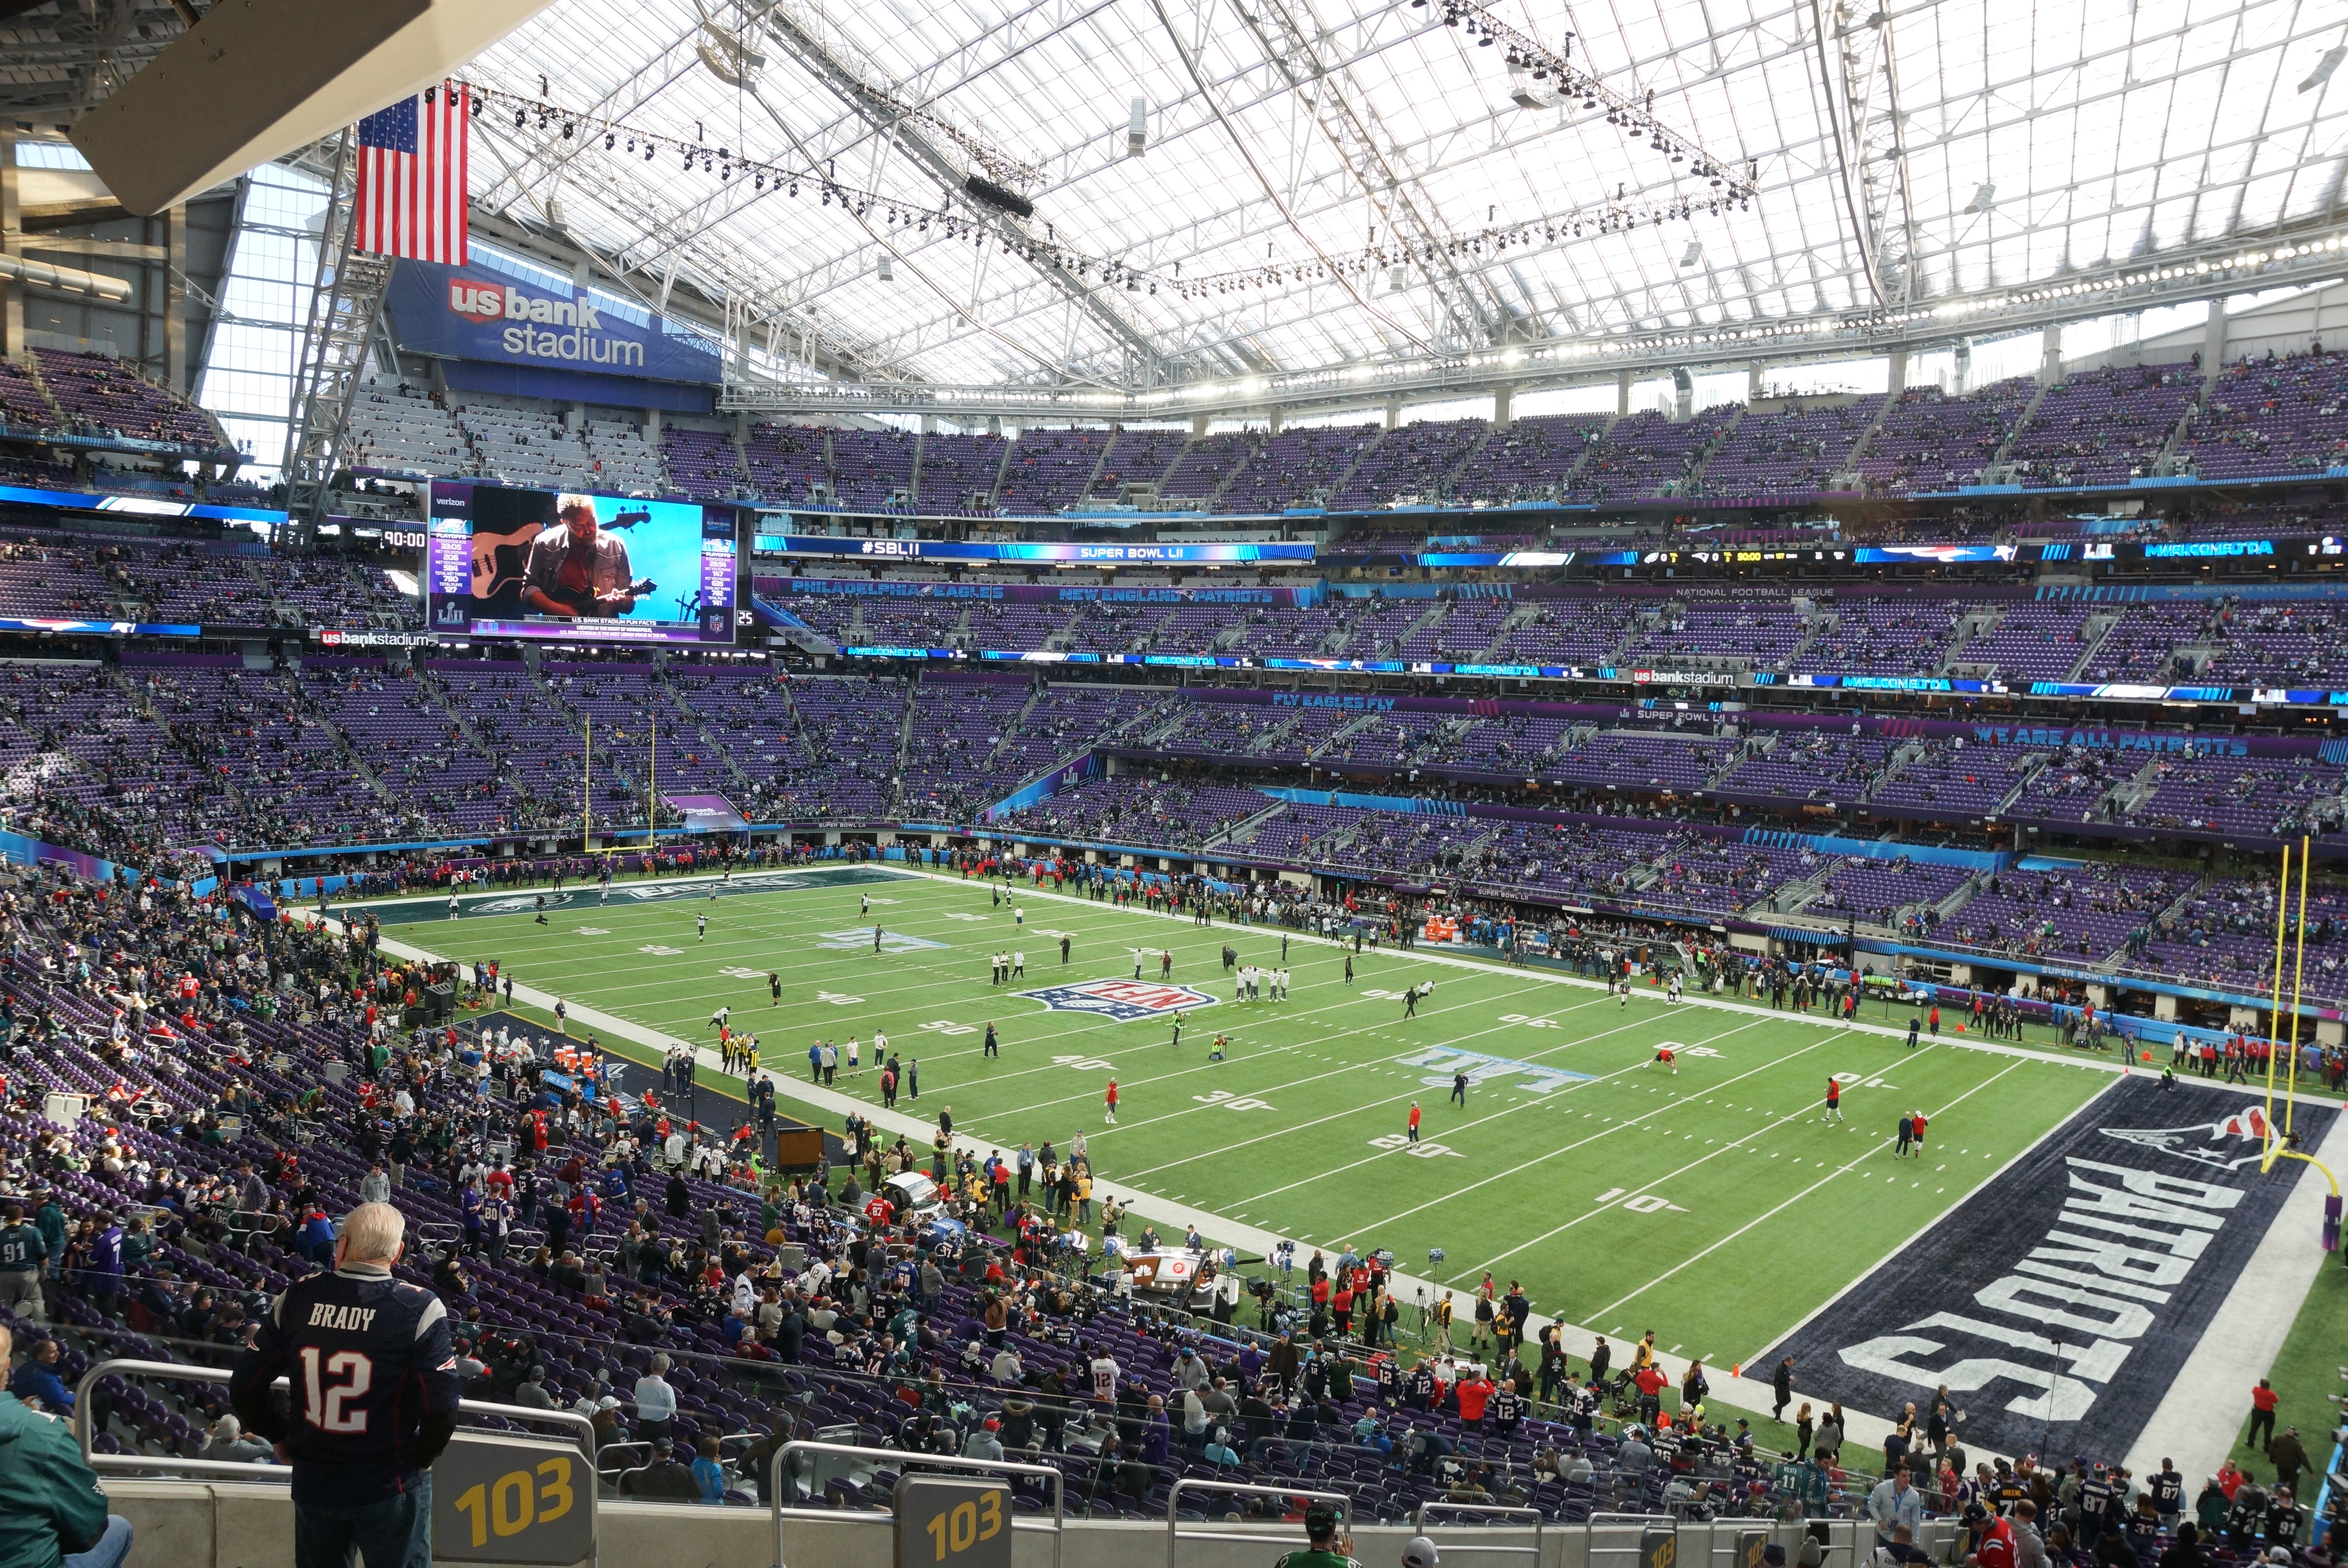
x,y
2059,1304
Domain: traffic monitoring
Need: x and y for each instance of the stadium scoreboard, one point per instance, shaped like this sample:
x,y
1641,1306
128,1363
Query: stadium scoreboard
x,y
578,567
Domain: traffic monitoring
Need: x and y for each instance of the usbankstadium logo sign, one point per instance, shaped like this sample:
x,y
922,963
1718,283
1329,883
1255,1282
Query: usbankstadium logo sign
x,y
477,314
542,327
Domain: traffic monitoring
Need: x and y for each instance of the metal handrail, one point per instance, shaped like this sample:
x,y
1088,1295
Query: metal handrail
x,y
229,1469
1176,1534
1419,1523
901,1459
621,1448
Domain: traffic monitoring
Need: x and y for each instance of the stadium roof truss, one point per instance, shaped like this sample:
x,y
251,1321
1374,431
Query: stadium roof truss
x,y
59,60
1278,201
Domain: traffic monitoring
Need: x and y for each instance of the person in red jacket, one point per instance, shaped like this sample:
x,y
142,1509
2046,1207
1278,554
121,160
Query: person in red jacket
x,y
1993,1539
1475,1391
2264,1400
1413,1120
1652,1384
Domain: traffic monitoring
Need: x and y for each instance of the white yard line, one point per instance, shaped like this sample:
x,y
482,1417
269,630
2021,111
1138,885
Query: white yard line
x,y
1680,1103
1864,1274
1545,977
1844,1169
1746,1393
1743,1392
1409,1096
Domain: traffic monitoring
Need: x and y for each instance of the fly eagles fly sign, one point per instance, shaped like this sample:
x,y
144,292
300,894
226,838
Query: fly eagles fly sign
x,y
2057,1303
478,313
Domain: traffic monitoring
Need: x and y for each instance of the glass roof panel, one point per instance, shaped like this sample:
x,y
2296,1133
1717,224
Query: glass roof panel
x,y
1321,187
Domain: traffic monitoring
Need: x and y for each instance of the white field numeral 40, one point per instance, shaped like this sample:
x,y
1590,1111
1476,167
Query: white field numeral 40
x,y
1645,1203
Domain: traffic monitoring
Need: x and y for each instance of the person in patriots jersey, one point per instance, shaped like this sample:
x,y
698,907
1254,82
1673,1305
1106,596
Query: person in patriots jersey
x,y
373,1402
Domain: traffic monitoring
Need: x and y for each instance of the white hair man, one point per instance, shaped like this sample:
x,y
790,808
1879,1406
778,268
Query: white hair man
x,y
655,1403
224,1442
374,1400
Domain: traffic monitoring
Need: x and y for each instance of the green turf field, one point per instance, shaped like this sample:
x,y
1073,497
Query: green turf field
x,y
1714,1205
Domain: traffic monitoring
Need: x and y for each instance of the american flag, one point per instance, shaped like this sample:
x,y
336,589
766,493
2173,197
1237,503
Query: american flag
x,y
411,187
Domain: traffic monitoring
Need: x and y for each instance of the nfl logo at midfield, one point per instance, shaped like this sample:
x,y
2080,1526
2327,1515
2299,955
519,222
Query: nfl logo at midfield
x,y
1122,1001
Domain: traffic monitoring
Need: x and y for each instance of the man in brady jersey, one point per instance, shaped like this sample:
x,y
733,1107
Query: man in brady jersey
x,y
373,1402
1422,1387
1105,1373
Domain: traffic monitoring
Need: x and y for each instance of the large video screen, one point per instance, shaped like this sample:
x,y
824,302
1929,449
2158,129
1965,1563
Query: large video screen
x,y
546,564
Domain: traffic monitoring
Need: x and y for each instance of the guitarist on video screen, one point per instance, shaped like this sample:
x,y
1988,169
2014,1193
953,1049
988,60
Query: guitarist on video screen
x,y
577,569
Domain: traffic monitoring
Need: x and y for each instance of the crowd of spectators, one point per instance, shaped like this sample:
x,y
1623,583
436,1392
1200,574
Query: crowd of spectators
x,y
253,1079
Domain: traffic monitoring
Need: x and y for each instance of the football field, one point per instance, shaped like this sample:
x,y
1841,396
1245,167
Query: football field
x,y
1714,1203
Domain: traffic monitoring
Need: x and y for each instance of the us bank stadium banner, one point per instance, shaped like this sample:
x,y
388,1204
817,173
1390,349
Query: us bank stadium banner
x,y
480,314
2059,1303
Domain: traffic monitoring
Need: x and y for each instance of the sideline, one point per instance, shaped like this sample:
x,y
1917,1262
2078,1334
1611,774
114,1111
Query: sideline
x,y
2243,1339
2120,1068
2270,1270
1551,977
1743,1393
2221,1365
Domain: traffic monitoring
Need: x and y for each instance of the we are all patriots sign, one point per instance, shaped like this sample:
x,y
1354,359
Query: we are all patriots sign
x,y
411,177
